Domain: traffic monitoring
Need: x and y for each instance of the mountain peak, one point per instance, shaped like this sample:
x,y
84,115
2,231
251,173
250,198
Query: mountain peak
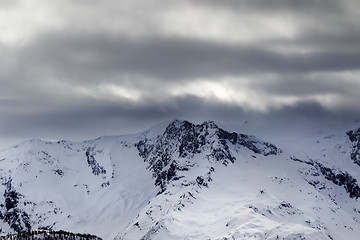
x,y
167,154
215,183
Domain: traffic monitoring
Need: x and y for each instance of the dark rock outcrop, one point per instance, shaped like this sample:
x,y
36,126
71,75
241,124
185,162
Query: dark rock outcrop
x,y
182,139
10,213
343,179
354,137
95,166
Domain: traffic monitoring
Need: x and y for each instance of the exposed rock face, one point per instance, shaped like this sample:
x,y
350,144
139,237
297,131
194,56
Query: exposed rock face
x,y
343,179
183,139
172,155
11,213
354,137
95,166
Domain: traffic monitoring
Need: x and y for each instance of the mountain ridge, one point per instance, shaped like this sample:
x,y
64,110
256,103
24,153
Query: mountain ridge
x,y
149,185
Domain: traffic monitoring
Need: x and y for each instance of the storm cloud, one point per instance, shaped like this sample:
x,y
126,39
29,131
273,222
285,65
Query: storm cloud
x,y
82,69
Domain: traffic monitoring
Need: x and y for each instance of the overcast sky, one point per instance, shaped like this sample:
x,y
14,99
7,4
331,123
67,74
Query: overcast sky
x,y
80,69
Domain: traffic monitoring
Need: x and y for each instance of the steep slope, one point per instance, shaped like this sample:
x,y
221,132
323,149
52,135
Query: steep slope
x,y
239,187
79,187
180,180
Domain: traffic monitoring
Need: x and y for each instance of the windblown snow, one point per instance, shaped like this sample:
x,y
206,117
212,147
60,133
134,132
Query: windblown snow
x,y
180,180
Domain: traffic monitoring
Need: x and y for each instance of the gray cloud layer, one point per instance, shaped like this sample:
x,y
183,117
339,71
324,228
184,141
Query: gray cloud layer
x,y
76,70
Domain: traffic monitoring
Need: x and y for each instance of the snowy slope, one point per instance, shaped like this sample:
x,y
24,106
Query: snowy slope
x,y
180,180
257,193
80,187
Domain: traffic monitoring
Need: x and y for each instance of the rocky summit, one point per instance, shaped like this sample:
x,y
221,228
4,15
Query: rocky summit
x,y
180,180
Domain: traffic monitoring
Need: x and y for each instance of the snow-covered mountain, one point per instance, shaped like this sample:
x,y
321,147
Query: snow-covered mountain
x,y
180,180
